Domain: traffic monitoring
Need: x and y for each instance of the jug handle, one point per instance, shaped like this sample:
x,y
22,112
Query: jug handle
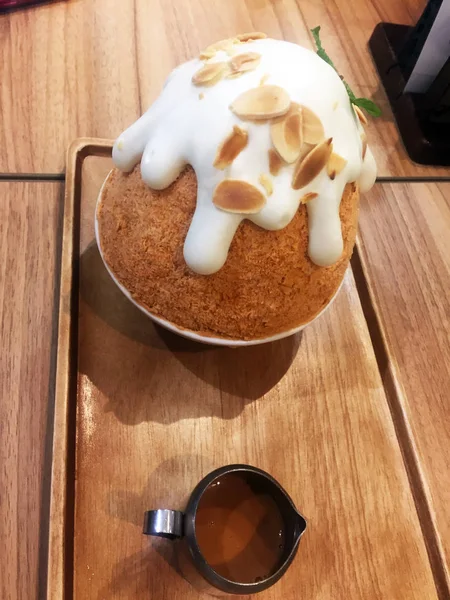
x,y
164,523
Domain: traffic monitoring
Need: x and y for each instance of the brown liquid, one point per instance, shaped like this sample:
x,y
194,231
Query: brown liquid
x,y
240,532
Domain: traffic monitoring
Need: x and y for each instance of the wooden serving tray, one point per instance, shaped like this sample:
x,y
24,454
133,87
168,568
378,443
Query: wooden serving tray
x,y
142,415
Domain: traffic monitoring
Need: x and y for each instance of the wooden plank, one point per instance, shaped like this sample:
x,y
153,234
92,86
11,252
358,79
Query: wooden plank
x,y
87,68
30,215
155,413
405,248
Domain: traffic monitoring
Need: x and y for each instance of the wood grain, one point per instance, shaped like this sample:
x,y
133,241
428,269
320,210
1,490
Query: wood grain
x,y
405,247
155,413
83,68
29,246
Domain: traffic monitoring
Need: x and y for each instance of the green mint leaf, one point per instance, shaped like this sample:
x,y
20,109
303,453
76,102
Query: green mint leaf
x,y
320,50
351,95
369,106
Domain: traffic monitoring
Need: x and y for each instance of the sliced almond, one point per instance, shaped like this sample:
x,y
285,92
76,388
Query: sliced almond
x,y
233,195
231,147
335,165
313,132
304,150
286,134
263,102
335,105
359,113
221,45
250,37
245,62
308,197
210,74
264,78
309,167
364,144
293,107
275,162
207,54
201,96
266,182
235,75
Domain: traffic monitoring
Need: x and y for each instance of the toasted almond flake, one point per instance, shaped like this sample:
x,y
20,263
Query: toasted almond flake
x,y
245,62
308,197
286,134
233,195
207,54
221,45
264,78
201,96
304,150
359,113
250,37
231,147
275,162
309,167
335,165
335,105
235,75
263,102
266,182
313,132
364,144
293,107
210,74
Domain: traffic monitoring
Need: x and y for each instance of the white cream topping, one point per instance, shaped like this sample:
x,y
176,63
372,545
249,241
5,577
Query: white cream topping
x,y
188,123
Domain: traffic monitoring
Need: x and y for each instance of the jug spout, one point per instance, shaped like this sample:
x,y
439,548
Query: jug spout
x,y
301,524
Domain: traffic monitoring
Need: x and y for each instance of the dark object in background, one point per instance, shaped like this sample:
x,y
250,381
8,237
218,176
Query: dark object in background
x,y
9,5
422,119
415,40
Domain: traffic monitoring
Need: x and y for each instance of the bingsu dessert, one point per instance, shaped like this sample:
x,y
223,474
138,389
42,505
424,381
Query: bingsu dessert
x,y
232,212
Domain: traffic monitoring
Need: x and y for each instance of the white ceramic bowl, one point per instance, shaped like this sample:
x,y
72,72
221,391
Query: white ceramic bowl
x,y
215,341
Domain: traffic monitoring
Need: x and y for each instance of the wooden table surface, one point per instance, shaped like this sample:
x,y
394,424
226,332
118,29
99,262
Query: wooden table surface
x,y
30,236
89,68
82,68
405,247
